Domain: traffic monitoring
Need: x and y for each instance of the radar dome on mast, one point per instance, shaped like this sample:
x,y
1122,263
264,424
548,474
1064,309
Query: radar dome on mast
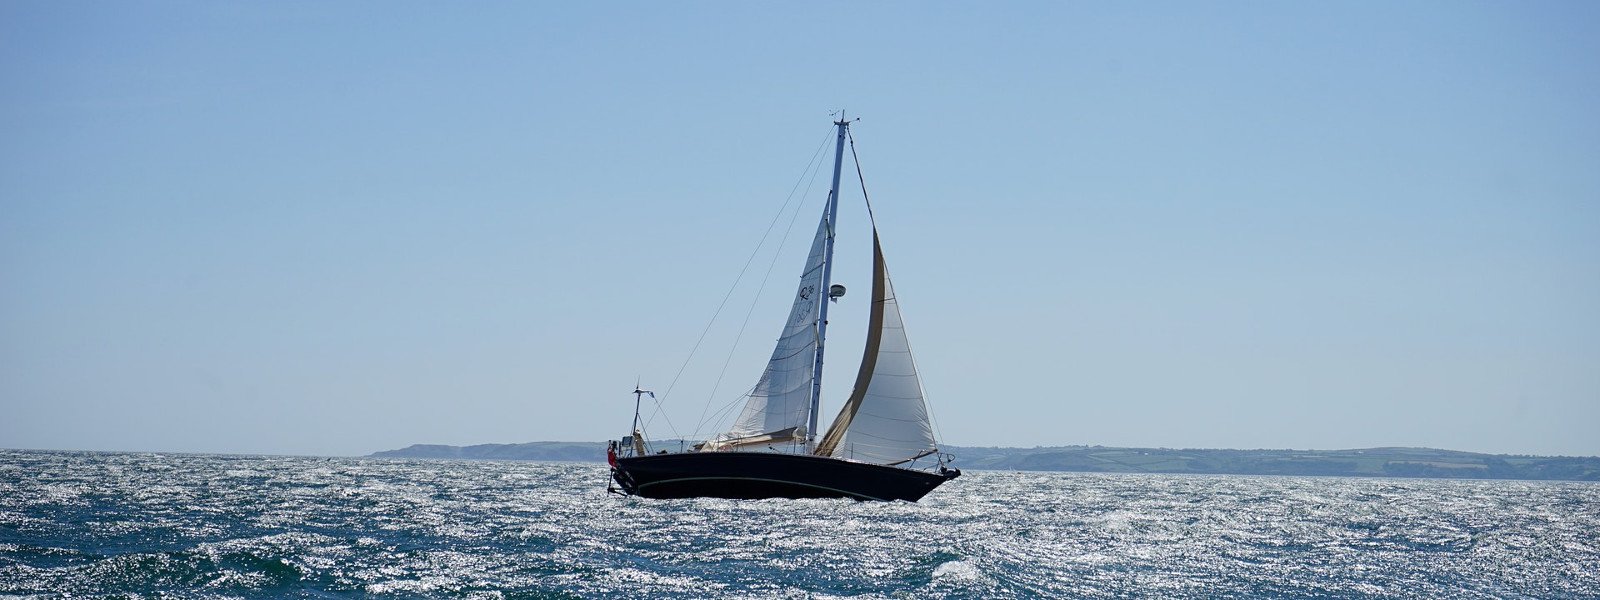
x,y
835,292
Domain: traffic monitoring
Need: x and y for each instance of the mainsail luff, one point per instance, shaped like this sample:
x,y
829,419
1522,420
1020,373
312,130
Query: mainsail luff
x,y
784,400
827,276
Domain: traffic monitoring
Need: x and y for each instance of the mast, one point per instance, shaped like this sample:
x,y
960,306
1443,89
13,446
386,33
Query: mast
x,y
638,436
827,280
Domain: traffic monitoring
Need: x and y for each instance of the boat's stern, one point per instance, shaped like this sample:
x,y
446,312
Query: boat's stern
x,y
624,481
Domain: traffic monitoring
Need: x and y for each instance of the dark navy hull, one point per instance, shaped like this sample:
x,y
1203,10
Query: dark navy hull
x,y
756,475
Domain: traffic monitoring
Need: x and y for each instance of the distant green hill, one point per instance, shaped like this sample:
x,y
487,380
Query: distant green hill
x,y
1369,462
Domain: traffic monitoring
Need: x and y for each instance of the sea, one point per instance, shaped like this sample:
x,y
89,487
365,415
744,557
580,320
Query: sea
x,y
124,525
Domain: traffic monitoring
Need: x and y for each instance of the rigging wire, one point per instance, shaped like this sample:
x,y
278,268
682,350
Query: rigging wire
x,y
753,301
736,280
927,404
862,178
652,418
726,410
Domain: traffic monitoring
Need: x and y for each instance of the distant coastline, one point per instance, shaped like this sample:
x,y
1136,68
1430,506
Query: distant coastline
x,y
1366,462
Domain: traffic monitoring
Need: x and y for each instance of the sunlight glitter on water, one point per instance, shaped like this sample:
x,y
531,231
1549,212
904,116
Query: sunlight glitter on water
x,y
94,524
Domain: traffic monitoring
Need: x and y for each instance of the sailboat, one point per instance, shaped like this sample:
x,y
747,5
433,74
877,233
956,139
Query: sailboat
x,y
880,446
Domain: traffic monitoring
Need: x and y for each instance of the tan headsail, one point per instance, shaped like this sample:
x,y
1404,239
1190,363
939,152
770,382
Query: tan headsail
x,y
885,421
869,357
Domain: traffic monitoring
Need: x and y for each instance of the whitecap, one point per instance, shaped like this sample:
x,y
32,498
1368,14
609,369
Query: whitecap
x,y
959,570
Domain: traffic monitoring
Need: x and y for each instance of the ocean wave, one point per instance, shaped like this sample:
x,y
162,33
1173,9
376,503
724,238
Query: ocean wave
x,y
103,525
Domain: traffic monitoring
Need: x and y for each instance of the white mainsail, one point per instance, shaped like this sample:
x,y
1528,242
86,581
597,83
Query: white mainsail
x,y
778,407
885,421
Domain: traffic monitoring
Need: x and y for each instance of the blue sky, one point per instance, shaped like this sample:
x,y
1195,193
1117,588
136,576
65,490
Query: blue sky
x,y
335,228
